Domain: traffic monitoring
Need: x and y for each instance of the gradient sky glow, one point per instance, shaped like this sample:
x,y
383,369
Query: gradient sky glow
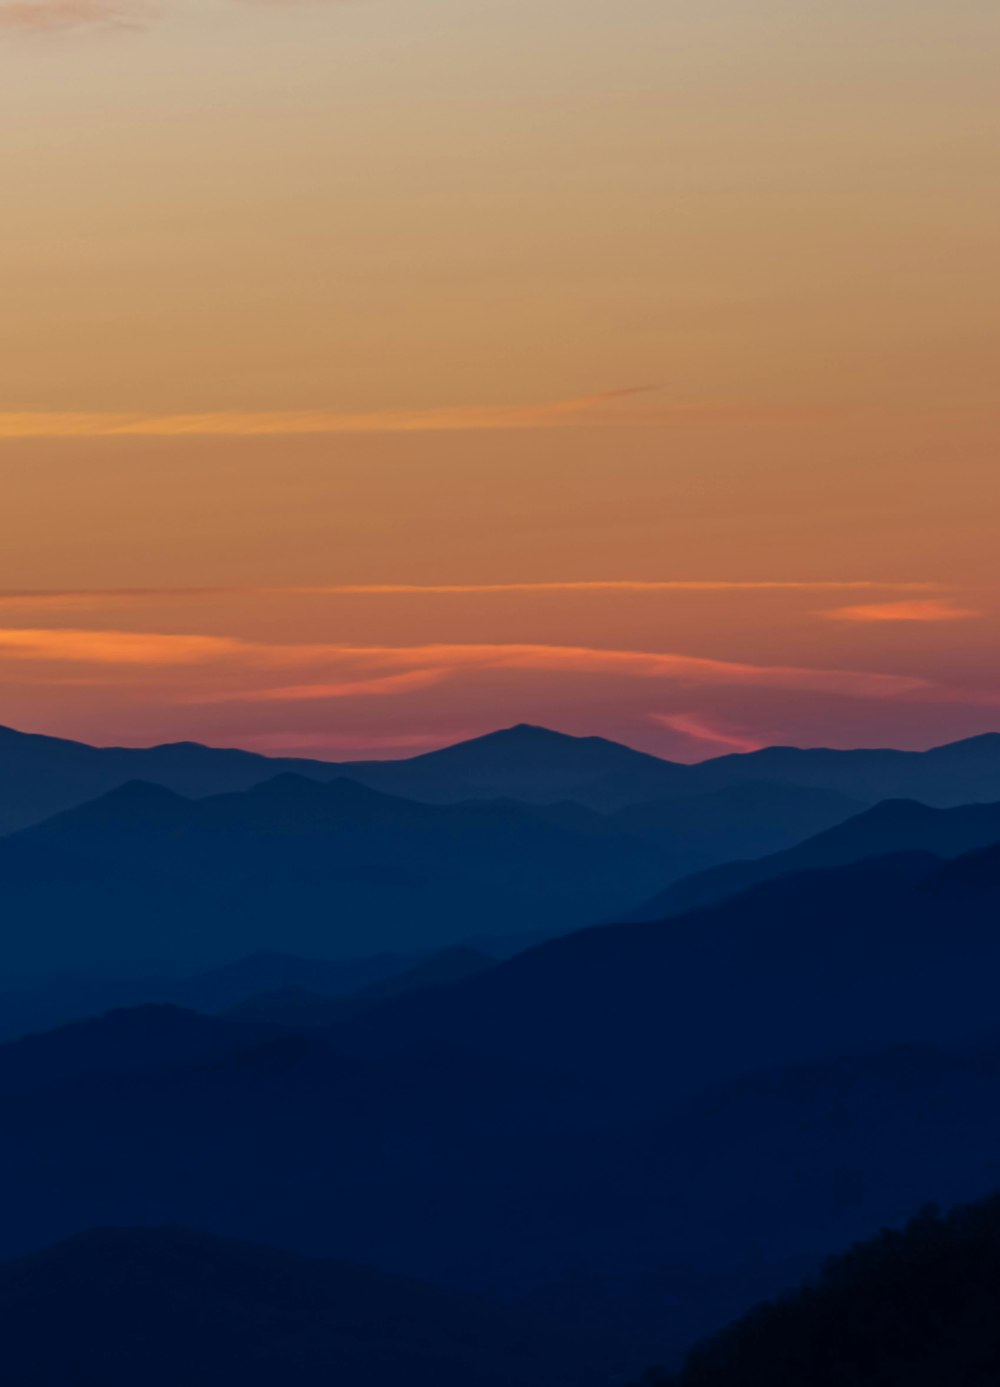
x,y
377,372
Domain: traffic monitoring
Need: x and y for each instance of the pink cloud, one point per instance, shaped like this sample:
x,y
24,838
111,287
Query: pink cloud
x,y
386,685
929,609
695,726
49,16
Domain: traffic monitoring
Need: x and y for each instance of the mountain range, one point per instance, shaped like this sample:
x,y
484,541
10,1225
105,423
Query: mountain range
x,y
723,1027
697,1108
43,775
332,869
889,827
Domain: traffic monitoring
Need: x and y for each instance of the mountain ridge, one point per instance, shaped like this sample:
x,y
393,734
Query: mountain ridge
x,y
43,774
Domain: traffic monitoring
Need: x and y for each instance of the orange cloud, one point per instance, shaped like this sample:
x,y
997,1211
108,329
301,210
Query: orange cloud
x,y
114,647
931,609
355,688
689,669
100,597
608,407
623,585
341,665
685,669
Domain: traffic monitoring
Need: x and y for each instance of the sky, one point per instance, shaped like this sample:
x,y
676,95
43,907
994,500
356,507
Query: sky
x,y
374,373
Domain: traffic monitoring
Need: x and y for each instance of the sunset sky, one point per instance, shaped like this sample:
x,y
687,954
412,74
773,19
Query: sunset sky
x,y
374,373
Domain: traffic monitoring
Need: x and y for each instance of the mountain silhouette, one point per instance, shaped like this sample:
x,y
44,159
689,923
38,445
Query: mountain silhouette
x,y
892,826
64,997
744,820
165,1306
528,763
446,1168
915,1308
458,1132
136,1038
300,1006
42,776
806,964
957,773
331,868
641,1128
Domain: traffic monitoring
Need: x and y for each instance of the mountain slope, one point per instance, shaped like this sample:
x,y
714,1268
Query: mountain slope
x,y
528,763
744,820
795,967
957,773
65,997
684,1099
331,868
167,1306
299,1006
916,1308
141,1037
893,826
41,776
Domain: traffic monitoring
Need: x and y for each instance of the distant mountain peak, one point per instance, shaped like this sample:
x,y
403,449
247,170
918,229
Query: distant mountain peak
x,y
142,792
527,746
525,732
968,746
139,798
286,784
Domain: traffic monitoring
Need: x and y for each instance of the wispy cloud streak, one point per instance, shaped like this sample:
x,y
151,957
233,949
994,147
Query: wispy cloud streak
x,y
50,16
700,730
927,610
209,669
384,686
12,598
340,663
115,647
611,407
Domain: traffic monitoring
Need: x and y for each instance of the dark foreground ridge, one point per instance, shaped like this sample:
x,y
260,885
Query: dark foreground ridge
x,y
917,1308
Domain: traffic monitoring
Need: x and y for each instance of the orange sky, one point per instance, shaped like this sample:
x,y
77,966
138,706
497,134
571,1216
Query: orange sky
x,y
376,373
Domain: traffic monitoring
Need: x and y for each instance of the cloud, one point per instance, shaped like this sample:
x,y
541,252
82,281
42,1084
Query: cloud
x,y
49,16
340,664
622,585
115,647
609,407
102,597
52,16
194,670
680,668
387,684
930,609
695,726
451,659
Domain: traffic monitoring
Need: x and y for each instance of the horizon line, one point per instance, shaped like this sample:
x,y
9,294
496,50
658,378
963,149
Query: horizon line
x,y
492,732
